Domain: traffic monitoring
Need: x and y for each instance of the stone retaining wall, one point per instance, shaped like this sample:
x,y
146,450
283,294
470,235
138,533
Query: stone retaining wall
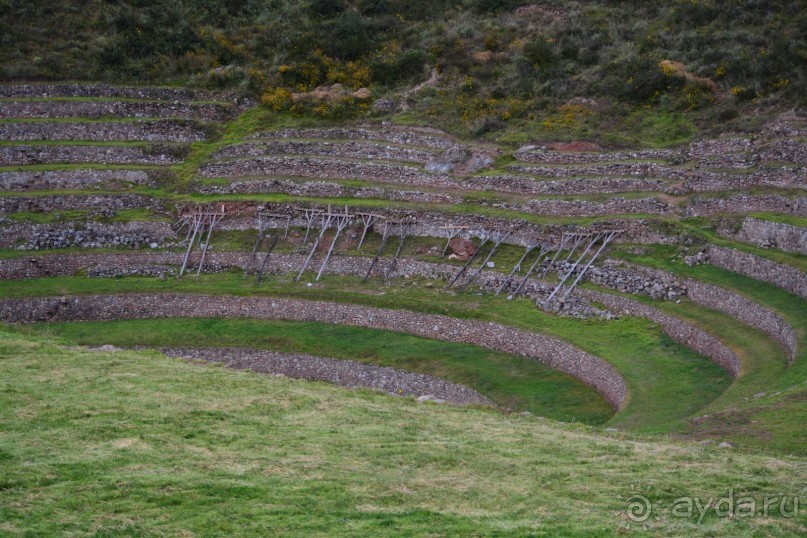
x,y
105,131
347,373
72,179
784,276
680,331
328,189
555,353
747,311
786,177
614,169
23,91
348,149
126,109
87,235
395,135
323,168
766,233
155,263
429,222
746,203
533,154
732,304
46,154
46,204
792,151
582,185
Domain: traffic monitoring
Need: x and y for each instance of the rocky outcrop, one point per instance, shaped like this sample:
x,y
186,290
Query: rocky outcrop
x,y
555,353
347,373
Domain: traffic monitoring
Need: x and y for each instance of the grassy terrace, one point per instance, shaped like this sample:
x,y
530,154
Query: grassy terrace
x,y
510,381
667,381
134,443
777,400
793,220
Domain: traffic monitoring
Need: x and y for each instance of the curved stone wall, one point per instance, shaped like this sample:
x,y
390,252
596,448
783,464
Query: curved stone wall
x,y
104,131
660,284
784,276
347,373
555,353
155,263
152,263
680,331
47,154
71,179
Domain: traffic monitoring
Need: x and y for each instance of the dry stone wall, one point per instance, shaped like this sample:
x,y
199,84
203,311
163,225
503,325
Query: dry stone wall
x,y
104,131
72,179
766,233
583,185
46,204
429,223
680,331
555,353
784,276
535,154
613,169
156,263
347,373
87,235
746,203
730,303
395,135
66,154
346,149
29,91
325,189
126,109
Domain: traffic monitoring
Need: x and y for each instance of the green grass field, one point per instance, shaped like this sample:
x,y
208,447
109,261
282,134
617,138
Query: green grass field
x,y
667,381
512,382
135,444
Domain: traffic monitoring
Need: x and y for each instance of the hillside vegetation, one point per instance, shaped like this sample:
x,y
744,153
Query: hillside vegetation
x,y
618,71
